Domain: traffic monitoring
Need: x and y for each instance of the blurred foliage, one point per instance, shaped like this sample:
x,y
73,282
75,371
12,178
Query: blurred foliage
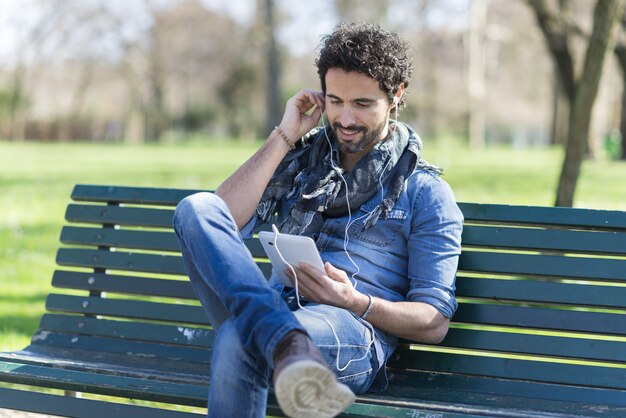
x,y
152,70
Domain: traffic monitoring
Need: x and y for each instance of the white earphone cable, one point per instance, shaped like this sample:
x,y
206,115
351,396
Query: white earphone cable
x,y
346,240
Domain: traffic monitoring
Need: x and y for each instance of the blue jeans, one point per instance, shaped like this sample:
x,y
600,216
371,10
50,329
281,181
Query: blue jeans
x,y
251,317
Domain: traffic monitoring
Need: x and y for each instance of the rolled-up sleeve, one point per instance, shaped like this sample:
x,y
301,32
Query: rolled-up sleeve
x,y
247,231
434,247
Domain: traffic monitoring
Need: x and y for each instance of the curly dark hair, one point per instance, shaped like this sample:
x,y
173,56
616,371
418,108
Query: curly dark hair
x,y
367,49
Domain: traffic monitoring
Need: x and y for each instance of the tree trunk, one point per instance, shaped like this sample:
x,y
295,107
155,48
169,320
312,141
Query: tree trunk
x,y
620,52
560,114
476,73
274,104
622,122
557,40
16,104
605,17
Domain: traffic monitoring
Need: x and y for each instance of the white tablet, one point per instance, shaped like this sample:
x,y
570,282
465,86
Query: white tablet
x,y
294,249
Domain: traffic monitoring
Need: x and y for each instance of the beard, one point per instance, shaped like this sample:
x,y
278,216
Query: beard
x,y
368,137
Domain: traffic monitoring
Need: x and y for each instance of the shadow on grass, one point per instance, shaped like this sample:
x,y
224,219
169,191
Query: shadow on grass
x,y
24,321
20,324
37,298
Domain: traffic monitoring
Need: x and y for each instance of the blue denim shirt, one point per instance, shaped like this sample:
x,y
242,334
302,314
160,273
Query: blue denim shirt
x,y
412,255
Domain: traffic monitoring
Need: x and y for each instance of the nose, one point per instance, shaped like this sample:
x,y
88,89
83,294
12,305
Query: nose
x,y
346,117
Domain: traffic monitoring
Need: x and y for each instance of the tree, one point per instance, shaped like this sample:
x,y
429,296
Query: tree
x,y
28,53
274,98
620,53
476,72
581,91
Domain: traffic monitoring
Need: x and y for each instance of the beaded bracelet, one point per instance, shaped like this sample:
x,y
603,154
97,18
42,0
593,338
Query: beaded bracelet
x,y
282,134
370,306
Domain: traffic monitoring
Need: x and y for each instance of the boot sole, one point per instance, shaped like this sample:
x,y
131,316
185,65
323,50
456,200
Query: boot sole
x,y
307,389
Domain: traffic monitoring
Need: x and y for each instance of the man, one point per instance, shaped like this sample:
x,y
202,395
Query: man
x,y
384,222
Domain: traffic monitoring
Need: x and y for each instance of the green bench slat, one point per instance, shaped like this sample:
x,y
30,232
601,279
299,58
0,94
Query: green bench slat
x,y
544,345
87,408
136,239
134,331
266,268
133,285
137,350
125,261
545,239
458,388
109,237
138,195
543,265
176,393
127,365
67,406
472,211
535,215
118,260
407,409
542,291
256,249
126,309
513,368
541,318
111,385
115,215
459,338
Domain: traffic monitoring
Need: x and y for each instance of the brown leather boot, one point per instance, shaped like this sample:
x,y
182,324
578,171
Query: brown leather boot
x,y
304,385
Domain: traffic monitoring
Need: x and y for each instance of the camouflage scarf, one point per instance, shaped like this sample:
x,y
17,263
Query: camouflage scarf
x,y
311,172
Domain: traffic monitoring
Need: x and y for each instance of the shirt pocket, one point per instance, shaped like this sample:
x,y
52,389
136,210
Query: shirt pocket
x,y
383,232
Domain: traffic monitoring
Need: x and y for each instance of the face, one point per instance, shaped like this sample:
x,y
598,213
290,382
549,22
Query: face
x,y
357,111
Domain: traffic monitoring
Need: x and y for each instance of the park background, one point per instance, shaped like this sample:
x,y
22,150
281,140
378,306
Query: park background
x,y
170,93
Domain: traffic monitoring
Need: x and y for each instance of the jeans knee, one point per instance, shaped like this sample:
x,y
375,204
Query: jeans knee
x,y
193,207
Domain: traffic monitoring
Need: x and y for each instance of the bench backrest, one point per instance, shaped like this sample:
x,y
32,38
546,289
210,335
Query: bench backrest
x,y
542,291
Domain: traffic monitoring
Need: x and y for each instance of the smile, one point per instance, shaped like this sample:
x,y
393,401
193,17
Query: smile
x,y
349,133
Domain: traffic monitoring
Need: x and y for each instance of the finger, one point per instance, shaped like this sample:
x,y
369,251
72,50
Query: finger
x,y
289,274
313,273
315,98
309,100
303,287
335,273
316,114
313,283
320,99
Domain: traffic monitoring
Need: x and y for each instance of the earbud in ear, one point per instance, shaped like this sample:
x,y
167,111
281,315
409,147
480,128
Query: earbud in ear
x,y
395,100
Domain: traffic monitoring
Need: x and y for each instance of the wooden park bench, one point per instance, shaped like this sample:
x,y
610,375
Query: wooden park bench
x,y
540,329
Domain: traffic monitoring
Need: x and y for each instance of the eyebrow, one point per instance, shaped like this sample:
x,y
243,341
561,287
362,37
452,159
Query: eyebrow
x,y
358,99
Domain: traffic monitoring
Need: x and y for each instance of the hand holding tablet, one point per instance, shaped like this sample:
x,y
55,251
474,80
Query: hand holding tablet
x,y
294,250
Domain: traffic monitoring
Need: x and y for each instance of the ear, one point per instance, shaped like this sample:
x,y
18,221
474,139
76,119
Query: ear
x,y
398,96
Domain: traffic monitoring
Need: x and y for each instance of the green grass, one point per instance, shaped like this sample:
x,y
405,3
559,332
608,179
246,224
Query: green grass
x,y
36,180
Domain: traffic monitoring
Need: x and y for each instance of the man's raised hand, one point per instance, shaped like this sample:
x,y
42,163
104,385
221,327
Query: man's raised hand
x,y
302,113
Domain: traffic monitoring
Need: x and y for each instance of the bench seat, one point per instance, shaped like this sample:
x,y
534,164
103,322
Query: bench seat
x,y
540,329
